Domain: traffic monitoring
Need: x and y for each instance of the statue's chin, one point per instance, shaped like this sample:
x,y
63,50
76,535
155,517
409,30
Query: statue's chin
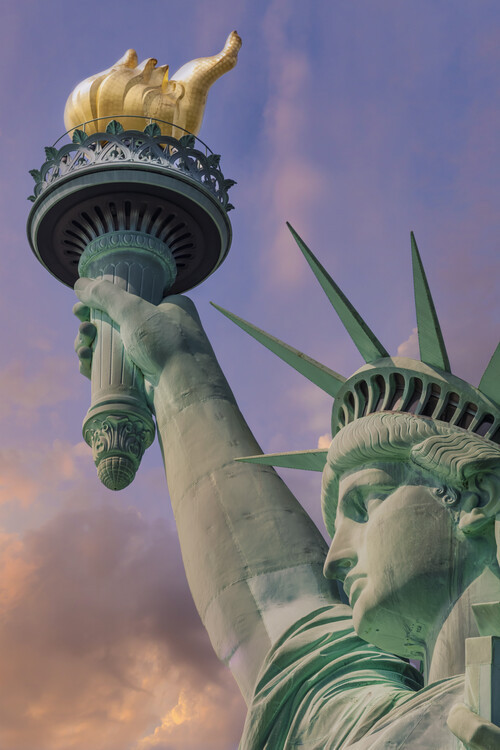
x,y
390,630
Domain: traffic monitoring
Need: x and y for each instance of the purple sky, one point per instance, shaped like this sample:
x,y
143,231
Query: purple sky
x,y
357,122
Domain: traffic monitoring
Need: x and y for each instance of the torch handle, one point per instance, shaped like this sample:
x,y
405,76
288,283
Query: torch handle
x,y
113,373
119,426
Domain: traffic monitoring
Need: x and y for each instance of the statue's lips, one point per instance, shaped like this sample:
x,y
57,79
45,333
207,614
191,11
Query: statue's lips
x,y
353,586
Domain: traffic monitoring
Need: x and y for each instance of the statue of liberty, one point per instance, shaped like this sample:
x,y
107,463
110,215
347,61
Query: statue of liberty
x,y
411,498
411,480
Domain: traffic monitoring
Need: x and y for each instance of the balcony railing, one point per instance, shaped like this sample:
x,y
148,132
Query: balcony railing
x,y
117,147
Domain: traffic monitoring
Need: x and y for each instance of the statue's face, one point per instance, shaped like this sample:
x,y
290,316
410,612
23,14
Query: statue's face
x,y
396,550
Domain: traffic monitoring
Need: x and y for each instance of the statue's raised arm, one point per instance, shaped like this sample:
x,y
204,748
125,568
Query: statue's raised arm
x,y
253,558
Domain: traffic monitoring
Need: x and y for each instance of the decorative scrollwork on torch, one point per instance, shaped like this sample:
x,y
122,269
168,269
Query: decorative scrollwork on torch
x,y
118,443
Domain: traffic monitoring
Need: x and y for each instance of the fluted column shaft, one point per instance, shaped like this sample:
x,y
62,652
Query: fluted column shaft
x,y
118,425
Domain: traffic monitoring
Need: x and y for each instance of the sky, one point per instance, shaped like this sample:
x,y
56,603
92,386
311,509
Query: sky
x,y
355,121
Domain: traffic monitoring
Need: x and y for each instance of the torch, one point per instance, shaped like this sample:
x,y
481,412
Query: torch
x,y
143,208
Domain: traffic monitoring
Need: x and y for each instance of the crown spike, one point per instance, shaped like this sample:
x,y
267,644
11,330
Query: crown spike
x,y
367,343
319,374
312,460
490,382
430,338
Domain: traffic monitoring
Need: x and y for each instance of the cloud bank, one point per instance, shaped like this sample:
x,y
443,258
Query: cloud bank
x,y
100,644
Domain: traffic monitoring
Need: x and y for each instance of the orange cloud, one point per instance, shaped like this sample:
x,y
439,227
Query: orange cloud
x,y
15,484
197,714
39,468
15,571
100,643
409,348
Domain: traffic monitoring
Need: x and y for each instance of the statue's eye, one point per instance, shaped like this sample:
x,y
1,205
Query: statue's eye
x,y
361,502
355,506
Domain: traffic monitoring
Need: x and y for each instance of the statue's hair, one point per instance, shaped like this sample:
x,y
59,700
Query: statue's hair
x,y
449,453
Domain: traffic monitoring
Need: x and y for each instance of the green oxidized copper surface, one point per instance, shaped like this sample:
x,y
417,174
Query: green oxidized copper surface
x,y
118,443
148,212
126,239
128,180
425,388
118,425
407,385
414,504
411,496
148,149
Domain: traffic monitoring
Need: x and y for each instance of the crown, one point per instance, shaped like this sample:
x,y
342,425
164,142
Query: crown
x,y
425,388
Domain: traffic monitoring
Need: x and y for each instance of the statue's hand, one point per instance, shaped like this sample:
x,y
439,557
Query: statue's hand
x,y
476,733
150,334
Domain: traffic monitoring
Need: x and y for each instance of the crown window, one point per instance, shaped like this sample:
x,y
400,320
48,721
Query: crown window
x,y
468,415
432,400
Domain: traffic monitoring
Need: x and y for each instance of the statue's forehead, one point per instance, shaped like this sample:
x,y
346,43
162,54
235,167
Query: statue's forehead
x,y
371,474
374,474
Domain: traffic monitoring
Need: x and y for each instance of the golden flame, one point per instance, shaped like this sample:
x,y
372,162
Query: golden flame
x,y
129,92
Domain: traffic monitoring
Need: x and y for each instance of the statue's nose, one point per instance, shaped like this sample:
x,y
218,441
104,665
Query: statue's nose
x,y
342,555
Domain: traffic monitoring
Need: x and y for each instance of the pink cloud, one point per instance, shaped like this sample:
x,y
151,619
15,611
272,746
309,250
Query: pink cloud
x,y
16,485
409,348
38,468
324,441
100,643
197,714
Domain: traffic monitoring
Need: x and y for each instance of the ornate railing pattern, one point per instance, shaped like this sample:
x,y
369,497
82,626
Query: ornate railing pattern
x,y
119,146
